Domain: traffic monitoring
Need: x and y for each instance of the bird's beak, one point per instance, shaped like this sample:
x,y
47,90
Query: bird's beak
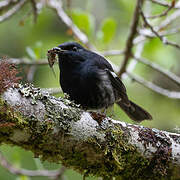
x,y
58,50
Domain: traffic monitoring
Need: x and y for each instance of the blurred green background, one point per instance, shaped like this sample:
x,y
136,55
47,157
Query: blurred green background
x,y
106,23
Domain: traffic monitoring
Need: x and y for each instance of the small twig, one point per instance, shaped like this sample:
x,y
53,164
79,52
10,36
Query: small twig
x,y
129,42
40,5
162,38
151,86
171,76
169,20
139,47
27,62
53,173
133,63
12,11
69,3
170,43
163,4
149,25
57,6
35,10
6,4
171,31
30,74
149,34
113,53
164,13
37,62
154,87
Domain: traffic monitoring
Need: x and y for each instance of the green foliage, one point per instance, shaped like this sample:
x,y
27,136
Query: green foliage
x,y
156,51
126,6
34,52
84,20
107,30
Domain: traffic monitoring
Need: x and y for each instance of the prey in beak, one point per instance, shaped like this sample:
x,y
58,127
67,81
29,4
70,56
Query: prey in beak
x,y
52,57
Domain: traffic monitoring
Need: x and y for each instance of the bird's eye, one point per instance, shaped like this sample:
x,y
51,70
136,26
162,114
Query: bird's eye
x,y
75,48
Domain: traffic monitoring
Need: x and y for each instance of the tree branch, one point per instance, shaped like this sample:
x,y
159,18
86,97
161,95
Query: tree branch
x,y
154,87
7,4
35,10
4,3
159,29
164,4
12,169
162,38
149,34
55,129
129,42
57,6
139,47
164,13
112,52
171,76
12,11
169,20
28,62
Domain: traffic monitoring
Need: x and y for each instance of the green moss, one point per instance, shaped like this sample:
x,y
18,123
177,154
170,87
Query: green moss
x,y
54,116
49,140
56,120
87,157
119,160
9,122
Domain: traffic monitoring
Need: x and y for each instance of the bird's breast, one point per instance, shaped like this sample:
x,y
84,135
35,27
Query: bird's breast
x,y
89,91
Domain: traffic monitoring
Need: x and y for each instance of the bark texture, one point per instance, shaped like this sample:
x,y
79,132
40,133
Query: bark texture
x,y
56,130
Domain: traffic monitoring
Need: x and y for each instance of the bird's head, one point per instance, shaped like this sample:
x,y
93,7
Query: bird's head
x,y
71,46
70,53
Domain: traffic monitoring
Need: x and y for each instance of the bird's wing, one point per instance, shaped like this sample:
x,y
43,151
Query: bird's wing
x,y
99,61
118,86
106,69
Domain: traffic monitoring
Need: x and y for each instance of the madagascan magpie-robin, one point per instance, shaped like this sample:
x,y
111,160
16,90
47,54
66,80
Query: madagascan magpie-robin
x,y
90,81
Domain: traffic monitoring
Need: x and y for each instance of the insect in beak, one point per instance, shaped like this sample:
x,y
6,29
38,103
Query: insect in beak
x,y
52,56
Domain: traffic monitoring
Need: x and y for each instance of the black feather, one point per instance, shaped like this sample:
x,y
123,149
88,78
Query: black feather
x,y
90,81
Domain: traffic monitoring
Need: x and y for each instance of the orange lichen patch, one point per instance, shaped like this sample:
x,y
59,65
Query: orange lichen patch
x,y
8,75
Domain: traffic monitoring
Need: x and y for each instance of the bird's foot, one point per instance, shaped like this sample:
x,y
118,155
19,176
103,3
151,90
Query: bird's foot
x,y
98,116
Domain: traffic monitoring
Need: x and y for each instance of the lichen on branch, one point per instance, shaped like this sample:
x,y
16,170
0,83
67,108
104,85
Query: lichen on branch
x,y
55,129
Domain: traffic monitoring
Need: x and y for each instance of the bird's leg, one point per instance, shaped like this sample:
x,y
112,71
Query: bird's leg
x,y
109,111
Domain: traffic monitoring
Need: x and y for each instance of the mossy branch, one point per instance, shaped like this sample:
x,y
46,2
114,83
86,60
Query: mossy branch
x,y
56,130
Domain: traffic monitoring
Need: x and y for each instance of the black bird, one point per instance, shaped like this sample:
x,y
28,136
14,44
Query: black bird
x,y
90,81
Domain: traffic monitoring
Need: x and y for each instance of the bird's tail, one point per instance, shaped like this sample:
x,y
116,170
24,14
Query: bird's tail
x,y
135,112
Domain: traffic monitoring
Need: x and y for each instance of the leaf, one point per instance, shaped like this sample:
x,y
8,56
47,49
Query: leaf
x,y
84,21
34,52
108,30
38,49
31,53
